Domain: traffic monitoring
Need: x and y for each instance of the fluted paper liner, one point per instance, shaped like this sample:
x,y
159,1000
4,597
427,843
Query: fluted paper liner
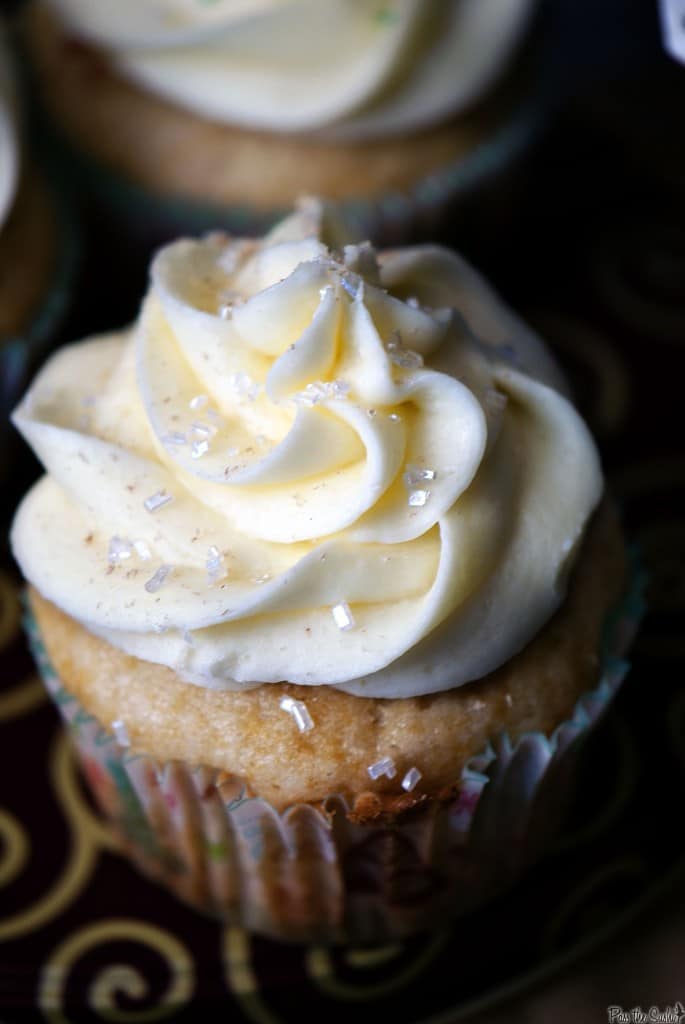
x,y
309,873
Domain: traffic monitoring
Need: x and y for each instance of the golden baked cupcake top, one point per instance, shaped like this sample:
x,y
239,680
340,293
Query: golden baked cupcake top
x,y
308,465
364,68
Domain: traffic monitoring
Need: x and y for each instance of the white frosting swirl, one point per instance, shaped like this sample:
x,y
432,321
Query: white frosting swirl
x,y
9,145
364,67
333,436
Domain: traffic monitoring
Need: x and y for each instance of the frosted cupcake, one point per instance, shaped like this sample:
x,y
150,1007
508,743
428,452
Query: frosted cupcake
x,y
36,256
226,113
330,607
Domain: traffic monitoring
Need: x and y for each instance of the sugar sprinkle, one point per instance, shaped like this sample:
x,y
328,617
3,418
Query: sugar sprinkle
x,y
342,616
414,476
243,386
142,550
386,766
119,550
158,579
174,437
198,402
299,712
401,356
410,780
214,563
417,499
157,500
198,449
322,391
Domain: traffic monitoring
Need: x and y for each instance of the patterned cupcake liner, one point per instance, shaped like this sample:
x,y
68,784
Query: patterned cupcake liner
x,y
310,873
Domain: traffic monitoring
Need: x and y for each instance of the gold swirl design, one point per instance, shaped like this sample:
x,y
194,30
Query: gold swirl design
x,y
21,699
15,847
585,897
10,610
88,836
321,968
117,979
241,978
30,692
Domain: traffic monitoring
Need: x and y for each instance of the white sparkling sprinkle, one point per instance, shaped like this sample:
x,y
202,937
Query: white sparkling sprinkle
x,y
264,578
418,498
198,449
413,302
299,711
158,579
142,550
410,780
204,430
119,550
243,385
215,563
342,616
320,391
198,402
402,356
415,475
121,732
340,388
225,311
174,437
157,500
407,359
386,766
394,418
353,285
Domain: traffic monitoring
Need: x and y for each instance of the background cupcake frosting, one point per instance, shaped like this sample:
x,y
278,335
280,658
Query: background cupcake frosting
x,y
355,68
298,464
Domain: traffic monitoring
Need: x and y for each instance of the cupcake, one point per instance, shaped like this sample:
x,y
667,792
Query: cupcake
x,y
36,258
323,576
224,113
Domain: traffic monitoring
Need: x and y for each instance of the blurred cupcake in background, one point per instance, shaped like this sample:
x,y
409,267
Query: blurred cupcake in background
x,y
224,113
37,250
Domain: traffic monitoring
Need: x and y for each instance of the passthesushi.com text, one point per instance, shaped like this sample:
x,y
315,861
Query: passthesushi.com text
x,y
669,1015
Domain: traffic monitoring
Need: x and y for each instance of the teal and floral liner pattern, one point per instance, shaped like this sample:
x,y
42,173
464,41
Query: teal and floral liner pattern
x,y
309,873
